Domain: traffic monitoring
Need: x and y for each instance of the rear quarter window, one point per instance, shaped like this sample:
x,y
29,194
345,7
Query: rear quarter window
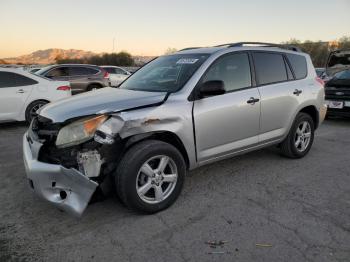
x,y
299,66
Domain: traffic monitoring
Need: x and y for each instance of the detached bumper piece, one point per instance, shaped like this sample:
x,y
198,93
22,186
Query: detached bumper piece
x,y
67,189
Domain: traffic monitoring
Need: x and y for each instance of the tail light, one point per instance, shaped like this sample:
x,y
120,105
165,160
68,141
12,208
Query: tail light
x,y
106,75
63,88
320,81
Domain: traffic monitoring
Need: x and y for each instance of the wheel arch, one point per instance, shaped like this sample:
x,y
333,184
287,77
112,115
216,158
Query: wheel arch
x,y
24,111
313,112
164,136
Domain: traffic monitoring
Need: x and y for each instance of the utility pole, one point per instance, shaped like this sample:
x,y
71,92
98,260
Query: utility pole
x,y
113,44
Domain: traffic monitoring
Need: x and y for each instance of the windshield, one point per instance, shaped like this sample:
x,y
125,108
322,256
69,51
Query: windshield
x,y
41,76
166,73
43,70
342,75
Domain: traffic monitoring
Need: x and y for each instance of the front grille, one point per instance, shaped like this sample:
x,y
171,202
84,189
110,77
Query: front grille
x,y
337,93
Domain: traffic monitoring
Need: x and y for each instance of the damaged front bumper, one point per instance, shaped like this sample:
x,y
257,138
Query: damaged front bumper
x,y
67,189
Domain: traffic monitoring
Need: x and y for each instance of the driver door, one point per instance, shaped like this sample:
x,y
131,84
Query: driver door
x,y
227,123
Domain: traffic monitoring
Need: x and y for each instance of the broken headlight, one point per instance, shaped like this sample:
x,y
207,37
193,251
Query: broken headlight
x,y
79,131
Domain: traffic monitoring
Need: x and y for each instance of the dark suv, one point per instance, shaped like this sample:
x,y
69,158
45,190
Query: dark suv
x,y
81,77
338,87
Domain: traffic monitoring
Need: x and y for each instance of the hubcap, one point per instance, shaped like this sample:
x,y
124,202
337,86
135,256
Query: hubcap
x,y
302,136
156,179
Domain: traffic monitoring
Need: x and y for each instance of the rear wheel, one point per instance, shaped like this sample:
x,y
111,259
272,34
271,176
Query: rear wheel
x,y
150,176
32,109
300,138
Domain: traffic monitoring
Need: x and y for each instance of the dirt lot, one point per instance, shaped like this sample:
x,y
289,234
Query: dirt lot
x,y
299,210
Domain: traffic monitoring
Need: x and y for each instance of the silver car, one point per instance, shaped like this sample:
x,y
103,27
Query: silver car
x,y
179,112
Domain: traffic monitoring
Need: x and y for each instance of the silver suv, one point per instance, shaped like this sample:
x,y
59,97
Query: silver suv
x,y
179,112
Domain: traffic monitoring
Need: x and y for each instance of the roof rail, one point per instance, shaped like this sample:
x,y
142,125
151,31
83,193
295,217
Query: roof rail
x,y
189,48
289,47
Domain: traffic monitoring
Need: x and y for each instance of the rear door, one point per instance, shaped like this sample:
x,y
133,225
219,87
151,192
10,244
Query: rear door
x,y
14,92
229,122
280,93
80,77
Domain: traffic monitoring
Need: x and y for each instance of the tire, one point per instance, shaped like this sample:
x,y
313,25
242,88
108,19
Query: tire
x,y
32,108
129,178
93,87
299,142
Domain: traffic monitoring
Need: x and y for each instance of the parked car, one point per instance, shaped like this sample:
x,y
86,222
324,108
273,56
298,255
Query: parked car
x,y
338,94
145,135
338,87
116,74
321,73
81,77
34,70
23,93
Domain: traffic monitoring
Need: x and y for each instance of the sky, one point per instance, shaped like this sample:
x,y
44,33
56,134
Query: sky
x,y
149,27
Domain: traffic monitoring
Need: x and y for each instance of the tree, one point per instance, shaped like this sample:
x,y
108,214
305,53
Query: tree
x,y
170,50
117,59
319,51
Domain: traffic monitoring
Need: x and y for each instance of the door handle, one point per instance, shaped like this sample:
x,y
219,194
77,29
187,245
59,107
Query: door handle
x,y
297,92
253,100
20,91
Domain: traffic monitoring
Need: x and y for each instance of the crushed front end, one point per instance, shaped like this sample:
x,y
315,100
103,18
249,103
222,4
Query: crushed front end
x,y
66,176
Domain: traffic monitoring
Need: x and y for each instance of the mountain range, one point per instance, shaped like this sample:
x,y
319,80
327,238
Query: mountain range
x,y
48,56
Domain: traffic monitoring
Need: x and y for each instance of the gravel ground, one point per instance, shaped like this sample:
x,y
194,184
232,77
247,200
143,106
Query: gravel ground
x,y
298,210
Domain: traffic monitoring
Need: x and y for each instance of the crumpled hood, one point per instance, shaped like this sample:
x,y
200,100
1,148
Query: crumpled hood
x,y
101,101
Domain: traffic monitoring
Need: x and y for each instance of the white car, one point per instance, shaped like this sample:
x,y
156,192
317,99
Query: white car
x,y
116,74
23,93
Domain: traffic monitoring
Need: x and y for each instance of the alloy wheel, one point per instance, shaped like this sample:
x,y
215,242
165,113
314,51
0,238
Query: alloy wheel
x,y
302,136
35,108
156,179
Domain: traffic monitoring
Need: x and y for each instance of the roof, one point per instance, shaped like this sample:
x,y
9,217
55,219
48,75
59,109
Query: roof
x,y
246,45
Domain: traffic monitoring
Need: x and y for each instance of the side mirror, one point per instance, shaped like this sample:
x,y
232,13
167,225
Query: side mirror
x,y
212,88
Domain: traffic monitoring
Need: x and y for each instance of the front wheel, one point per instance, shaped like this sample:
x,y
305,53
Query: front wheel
x,y
32,108
150,176
300,138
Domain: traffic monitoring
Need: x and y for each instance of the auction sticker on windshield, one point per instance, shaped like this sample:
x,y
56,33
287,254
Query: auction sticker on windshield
x,y
188,61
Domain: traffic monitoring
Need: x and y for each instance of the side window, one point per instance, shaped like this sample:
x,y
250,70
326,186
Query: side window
x,y
269,68
109,70
9,79
58,72
81,71
120,71
233,70
298,63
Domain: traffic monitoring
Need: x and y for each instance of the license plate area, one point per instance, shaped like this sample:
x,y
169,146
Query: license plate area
x,y
335,104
